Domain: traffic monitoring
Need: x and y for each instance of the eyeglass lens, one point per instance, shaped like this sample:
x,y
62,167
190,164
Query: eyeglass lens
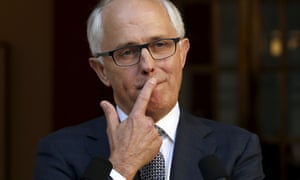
x,y
130,55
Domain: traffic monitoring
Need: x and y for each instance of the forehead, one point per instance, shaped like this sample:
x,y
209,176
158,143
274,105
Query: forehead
x,y
135,21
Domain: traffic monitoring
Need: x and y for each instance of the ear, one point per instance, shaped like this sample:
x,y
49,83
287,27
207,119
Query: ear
x,y
100,70
184,49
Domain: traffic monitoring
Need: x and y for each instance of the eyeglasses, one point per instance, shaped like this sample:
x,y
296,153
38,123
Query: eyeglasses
x,y
131,55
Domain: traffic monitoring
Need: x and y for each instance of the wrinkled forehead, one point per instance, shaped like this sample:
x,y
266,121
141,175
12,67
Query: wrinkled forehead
x,y
134,19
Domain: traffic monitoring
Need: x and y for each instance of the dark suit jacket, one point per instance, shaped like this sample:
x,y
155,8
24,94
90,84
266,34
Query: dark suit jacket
x,y
66,154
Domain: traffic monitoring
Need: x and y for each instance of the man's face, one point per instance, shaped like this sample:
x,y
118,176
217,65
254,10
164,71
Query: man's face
x,y
137,22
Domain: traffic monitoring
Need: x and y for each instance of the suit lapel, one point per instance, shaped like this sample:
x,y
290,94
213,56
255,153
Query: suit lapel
x,y
96,143
191,145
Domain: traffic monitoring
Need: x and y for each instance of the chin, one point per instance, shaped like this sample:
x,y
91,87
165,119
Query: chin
x,y
157,111
159,104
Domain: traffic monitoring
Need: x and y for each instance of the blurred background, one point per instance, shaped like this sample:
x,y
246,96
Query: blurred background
x,y
243,69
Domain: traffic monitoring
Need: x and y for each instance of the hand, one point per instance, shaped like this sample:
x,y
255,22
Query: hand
x,y
135,141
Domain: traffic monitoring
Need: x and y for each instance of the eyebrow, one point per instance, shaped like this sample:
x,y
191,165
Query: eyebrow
x,y
136,43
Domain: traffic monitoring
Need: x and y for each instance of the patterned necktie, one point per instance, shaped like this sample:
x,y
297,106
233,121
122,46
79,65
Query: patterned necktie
x,y
155,170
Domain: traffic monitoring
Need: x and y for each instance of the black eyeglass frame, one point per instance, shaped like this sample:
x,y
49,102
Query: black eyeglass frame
x,y
140,47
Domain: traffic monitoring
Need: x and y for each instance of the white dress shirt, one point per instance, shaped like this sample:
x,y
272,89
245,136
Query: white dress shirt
x,y
169,124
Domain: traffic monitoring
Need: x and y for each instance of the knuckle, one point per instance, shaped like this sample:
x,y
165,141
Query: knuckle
x,y
149,123
133,116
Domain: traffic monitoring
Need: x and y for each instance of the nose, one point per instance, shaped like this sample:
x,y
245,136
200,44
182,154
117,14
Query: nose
x,y
147,63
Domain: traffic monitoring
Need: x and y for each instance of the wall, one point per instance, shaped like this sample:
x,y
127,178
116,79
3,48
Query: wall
x,y
77,89
28,28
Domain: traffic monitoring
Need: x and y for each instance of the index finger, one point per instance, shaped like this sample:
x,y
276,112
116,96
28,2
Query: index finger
x,y
142,100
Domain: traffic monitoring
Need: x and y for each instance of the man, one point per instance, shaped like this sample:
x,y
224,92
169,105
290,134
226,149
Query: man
x,y
140,51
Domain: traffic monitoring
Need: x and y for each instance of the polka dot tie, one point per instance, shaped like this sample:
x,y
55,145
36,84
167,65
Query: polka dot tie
x,y
155,170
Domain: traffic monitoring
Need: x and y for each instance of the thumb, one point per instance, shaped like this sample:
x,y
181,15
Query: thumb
x,y
110,114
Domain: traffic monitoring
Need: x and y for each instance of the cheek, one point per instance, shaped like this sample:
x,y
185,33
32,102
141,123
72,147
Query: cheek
x,y
120,84
117,76
174,77
123,84
176,74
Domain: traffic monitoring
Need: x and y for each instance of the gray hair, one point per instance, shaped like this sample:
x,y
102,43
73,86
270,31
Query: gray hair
x,y
95,25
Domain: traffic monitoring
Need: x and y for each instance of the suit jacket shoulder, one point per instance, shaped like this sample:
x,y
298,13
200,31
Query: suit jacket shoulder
x,y
66,153
197,138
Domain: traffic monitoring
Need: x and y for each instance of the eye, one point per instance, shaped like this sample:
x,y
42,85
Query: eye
x,y
126,52
162,44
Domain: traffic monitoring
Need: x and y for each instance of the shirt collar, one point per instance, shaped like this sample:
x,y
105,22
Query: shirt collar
x,y
168,123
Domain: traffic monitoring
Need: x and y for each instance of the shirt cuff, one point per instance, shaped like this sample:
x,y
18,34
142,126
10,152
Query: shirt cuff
x,y
115,175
